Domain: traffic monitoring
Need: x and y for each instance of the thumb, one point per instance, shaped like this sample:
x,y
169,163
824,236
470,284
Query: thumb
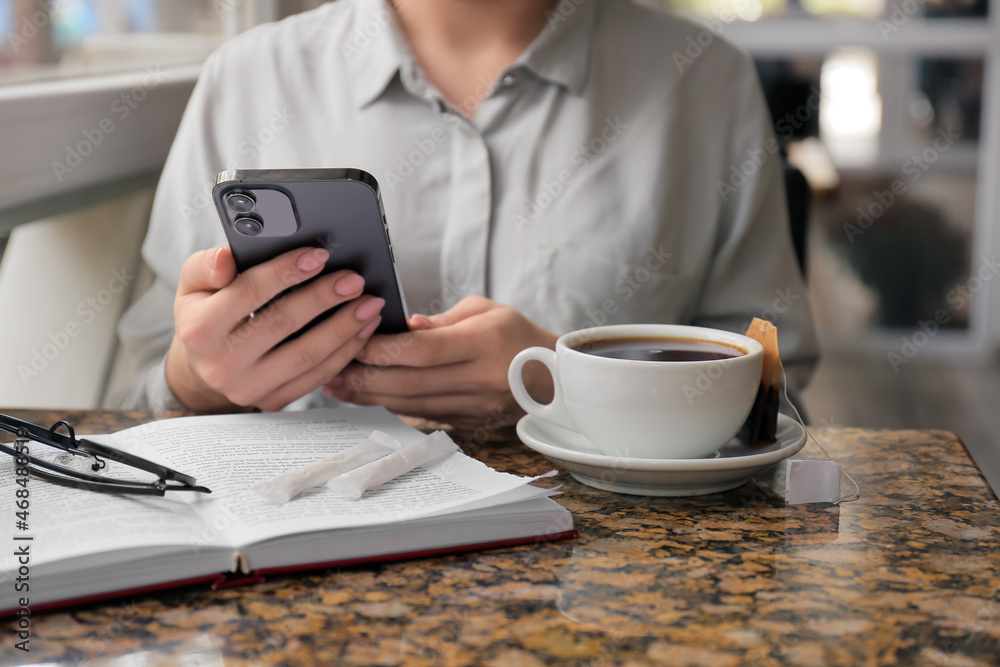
x,y
420,322
207,271
464,309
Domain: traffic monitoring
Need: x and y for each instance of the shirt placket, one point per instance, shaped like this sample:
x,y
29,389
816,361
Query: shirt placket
x,y
465,246
466,251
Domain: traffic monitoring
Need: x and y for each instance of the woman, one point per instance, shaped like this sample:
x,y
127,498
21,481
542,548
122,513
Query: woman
x,y
544,168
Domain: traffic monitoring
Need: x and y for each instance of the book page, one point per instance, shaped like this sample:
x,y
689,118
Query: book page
x,y
231,453
65,522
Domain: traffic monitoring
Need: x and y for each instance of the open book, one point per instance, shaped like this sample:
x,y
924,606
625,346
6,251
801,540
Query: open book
x,y
87,546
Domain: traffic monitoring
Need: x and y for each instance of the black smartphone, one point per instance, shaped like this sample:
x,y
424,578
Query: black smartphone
x,y
267,212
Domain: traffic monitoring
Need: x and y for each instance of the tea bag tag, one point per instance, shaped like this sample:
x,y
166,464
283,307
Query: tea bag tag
x,y
812,482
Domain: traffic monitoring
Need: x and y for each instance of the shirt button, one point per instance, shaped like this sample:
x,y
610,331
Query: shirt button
x,y
509,80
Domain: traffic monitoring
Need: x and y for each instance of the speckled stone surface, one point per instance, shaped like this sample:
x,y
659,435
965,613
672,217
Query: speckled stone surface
x,y
907,575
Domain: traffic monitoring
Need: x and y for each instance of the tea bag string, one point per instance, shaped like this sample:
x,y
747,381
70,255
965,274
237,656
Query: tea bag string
x,y
857,489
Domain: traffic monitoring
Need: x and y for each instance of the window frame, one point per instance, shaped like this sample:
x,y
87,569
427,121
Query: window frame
x,y
45,122
916,38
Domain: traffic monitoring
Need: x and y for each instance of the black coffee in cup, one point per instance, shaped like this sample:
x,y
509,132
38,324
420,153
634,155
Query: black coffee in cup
x,y
659,349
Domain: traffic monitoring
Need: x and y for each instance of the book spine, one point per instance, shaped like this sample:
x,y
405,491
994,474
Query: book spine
x,y
408,555
223,581
236,581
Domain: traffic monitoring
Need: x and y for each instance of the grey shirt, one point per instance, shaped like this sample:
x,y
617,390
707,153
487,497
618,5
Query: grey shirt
x,y
601,180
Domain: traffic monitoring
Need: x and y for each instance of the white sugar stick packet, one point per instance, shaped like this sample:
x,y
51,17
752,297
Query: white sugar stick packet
x,y
353,484
286,486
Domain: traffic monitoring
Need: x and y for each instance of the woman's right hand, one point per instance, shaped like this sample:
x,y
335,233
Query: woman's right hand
x,y
221,358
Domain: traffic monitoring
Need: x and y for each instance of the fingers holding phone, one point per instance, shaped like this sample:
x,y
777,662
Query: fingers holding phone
x,y
227,349
319,355
258,323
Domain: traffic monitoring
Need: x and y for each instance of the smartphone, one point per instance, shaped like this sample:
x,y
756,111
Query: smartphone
x,y
267,212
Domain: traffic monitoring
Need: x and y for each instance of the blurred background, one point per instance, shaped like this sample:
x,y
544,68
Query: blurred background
x,y
890,109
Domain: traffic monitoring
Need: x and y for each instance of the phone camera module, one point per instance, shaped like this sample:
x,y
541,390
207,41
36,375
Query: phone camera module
x,y
240,202
248,225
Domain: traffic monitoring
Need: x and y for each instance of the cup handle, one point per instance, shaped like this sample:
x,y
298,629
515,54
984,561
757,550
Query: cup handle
x,y
555,411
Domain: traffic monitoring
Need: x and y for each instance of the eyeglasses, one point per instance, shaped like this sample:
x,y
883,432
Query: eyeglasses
x,y
94,455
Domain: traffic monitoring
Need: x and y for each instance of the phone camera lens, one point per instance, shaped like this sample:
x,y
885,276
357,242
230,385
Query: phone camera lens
x,y
246,225
240,202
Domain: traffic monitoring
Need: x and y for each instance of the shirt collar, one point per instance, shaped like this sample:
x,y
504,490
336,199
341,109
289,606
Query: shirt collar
x,y
376,50
561,52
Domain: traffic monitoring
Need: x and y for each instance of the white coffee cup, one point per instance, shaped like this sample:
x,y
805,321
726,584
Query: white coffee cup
x,y
646,409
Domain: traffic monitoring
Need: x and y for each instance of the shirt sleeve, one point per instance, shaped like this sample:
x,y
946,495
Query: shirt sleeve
x,y
754,271
183,221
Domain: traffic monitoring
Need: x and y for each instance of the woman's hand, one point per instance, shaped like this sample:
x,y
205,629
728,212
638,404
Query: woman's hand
x,y
222,358
450,367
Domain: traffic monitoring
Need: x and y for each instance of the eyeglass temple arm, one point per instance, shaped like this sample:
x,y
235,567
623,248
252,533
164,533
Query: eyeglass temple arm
x,y
70,443
23,429
119,456
157,489
81,480
42,463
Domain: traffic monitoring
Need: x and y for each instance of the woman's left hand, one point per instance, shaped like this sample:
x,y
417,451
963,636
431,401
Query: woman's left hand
x,y
450,367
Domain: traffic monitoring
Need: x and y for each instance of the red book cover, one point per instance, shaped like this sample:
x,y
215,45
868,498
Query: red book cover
x,y
233,580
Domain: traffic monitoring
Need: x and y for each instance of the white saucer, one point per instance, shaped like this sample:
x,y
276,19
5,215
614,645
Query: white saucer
x,y
729,467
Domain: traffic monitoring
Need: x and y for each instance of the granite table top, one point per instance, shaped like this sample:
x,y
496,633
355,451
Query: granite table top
x,y
909,574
